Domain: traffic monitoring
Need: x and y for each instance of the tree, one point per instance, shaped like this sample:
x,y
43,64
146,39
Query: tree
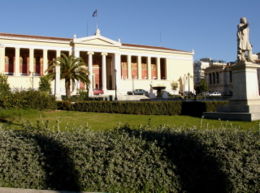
x,y
202,87
72,69
4,86
44,84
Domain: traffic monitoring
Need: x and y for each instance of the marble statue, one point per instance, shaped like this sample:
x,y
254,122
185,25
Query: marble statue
x,y
244,48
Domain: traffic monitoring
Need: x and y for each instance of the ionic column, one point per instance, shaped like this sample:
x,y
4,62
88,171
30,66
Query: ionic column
x,y
31,61
90,71
57,78
129,67
17,62
104,71
45,61
149,68
2,59
158,64
139,67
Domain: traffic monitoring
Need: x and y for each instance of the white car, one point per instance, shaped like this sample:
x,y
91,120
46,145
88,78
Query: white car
x,y
215,94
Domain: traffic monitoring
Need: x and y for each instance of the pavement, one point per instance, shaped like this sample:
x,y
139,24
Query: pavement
x,y
18,190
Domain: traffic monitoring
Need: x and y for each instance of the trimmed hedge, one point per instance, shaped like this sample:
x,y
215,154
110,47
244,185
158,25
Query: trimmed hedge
x,y
30,99
194,108
128,160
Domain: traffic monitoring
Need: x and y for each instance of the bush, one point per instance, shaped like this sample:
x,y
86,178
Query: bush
x,y
45,85
145,107
128,160
28,99
4,86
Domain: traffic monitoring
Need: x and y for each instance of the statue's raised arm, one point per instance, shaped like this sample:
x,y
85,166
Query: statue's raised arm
x,y
244,48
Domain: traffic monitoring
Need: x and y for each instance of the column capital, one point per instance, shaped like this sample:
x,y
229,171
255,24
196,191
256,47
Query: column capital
x,y
104,53
90,53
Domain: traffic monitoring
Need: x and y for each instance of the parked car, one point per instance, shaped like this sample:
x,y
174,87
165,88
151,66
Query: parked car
x,y
98,92
215,93
137,92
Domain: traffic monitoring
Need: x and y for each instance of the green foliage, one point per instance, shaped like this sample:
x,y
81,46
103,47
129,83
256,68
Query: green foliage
x,y
45,85
126,160
31,99
144,107
72,69
202,87
4,86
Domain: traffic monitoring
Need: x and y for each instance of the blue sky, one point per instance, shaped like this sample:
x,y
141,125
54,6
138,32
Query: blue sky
x,y
207,26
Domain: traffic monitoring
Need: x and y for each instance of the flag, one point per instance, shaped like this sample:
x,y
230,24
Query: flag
x,y
94,14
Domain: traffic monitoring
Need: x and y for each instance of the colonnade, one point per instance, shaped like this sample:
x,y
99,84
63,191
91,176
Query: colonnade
x,y
133,61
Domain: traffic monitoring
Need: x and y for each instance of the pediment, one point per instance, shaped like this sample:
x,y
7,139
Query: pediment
x,y
96,40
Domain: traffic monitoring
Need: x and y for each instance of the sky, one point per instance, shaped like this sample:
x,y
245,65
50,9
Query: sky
x,y
206,26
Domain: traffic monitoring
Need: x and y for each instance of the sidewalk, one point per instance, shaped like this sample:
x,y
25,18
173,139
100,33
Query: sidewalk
x,y
18,190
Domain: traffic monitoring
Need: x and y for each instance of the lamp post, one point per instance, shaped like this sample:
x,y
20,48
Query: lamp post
x,y
115,87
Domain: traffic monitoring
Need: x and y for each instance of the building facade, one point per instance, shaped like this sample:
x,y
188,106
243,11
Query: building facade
x,y
112,65
219,78
199,70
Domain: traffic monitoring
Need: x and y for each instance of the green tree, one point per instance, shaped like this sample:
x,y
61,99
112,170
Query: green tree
x,y
202,87
4,86
72,69
45,84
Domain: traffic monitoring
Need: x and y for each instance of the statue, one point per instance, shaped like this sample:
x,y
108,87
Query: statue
x,y
244,48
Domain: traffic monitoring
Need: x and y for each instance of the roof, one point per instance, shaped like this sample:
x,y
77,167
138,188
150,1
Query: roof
x,y
34,37
70,39
151,47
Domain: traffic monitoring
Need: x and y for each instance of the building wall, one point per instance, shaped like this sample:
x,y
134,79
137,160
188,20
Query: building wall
x,y
179,64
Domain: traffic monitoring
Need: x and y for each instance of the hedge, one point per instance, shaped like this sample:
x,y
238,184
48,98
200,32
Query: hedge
x,y
126,160
194,108
27,99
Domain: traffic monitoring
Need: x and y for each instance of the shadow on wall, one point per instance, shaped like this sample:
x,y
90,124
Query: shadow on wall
x,y
198,171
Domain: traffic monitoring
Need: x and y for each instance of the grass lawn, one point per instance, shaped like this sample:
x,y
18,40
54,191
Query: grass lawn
x,y
103,121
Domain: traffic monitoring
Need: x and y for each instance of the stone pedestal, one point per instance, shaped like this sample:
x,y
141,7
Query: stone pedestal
x,y
245,103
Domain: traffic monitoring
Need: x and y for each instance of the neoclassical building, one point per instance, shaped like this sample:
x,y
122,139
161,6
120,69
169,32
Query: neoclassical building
x,y
111,64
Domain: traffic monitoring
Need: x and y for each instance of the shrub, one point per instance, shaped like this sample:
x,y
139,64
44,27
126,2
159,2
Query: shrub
x,y
128,160
144,107
4,86
28,99
45,85
147,108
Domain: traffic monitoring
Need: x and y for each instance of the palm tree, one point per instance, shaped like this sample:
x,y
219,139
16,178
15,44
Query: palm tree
x,y
72,69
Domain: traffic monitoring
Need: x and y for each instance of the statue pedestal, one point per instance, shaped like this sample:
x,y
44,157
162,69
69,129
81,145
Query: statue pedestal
x,y
245,103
